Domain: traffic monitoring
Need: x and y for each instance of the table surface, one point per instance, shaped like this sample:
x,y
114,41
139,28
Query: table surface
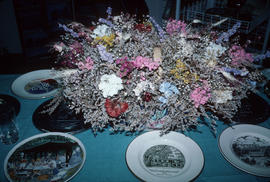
x,y
105,153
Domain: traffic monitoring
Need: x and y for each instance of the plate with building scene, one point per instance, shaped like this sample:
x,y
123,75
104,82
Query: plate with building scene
x,y
170,157
247,147
36,84
50,157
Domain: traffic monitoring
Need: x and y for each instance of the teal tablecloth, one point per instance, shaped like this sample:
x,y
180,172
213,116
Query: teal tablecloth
x,y
105,159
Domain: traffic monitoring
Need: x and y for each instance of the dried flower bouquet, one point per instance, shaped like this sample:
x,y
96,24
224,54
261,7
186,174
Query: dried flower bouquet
x,y
132,76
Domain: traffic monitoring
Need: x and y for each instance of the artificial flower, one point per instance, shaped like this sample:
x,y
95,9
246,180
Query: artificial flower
x,y
146,96
214,50
142,70
115,108
88,65
167,89
104,55
59,47
143,86
200,95
222,96
110,85
101,30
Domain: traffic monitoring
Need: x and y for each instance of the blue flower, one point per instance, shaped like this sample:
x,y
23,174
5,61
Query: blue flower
x,y
163,100
168,89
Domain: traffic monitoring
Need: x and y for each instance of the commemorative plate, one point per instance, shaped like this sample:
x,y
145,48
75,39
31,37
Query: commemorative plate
x,y
247,147
50,157
36,84
171,157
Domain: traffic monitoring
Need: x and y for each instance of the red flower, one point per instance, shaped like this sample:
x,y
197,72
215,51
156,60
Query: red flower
x,y
143,28
146,97
92,28
115,108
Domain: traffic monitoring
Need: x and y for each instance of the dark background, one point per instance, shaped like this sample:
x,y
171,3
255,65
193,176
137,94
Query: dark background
x,y
37,20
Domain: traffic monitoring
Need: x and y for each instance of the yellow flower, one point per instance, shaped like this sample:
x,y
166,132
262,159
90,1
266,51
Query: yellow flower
x,y
181,72
107,41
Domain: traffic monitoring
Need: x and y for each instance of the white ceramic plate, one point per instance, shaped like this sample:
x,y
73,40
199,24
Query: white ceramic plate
x,y
51,157
172,157
247,147
35,85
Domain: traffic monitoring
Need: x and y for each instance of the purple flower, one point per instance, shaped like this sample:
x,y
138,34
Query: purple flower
x,y
107,22
109,11
235,71
262,56
105,56
226,35
160,31
72,33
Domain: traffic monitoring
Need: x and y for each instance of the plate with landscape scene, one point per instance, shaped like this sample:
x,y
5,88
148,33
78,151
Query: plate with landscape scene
x,y
170,157
247,147
50,157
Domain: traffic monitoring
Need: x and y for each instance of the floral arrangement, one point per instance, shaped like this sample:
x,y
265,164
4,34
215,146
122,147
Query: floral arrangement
x,y
132,75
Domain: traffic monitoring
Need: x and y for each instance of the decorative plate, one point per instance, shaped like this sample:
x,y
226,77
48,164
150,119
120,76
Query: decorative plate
x,y
247,147
10,101
172,157
45,157
62,119
36,84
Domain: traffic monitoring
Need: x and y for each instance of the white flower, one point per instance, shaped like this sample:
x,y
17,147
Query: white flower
x,y
214,50
110,85
143,86
123,37
222,96
101,31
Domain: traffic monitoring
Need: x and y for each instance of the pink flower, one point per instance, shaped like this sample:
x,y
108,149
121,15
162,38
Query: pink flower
x,y
200,95
141,62
76,48
87,65
59,47
174,26
143,76
126,66
239,55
